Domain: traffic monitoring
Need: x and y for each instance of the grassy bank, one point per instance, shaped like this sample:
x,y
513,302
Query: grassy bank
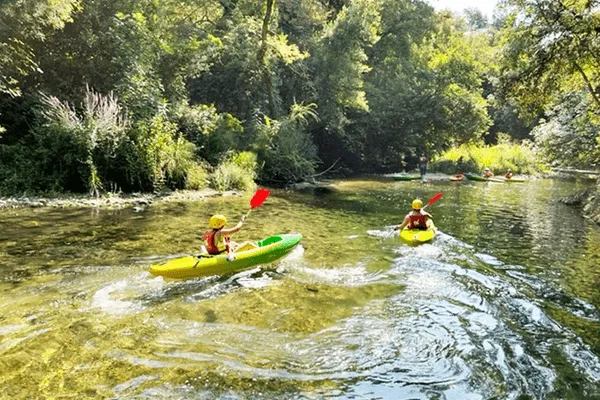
x,y
520,158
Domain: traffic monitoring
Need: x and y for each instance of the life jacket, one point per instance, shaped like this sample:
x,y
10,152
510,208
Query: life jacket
x,y
508,175
215,248
418,221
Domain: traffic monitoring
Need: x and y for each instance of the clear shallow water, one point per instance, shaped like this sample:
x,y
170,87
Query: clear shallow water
x,y
503,304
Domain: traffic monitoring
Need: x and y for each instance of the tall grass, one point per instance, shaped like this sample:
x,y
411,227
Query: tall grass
x,y
237,171
520,158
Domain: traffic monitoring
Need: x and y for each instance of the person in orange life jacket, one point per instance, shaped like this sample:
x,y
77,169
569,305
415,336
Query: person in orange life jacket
x,y
217,239
417,218
508,174
487,173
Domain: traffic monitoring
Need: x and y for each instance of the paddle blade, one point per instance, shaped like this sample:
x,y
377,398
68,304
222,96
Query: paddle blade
x,y
435,198
259,197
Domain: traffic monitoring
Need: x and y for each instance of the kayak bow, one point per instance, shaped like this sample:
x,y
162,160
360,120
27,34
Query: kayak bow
x,y
418,236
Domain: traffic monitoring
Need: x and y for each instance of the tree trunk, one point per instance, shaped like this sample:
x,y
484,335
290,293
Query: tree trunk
x,y
591,89
262,57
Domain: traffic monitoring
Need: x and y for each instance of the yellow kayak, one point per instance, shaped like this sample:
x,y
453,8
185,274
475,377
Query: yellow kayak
x,y
514,180
246,256
418,236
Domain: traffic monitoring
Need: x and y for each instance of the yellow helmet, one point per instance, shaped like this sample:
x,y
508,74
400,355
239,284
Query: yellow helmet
x,y
417,204
217,221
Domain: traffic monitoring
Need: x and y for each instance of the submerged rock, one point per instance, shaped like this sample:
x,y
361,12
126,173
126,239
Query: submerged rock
x,y
592,205
576,198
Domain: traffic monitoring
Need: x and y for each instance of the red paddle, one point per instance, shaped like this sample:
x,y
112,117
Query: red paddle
x,y
433,200
259,197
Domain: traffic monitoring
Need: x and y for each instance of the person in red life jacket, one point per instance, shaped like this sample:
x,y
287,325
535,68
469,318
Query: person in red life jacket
x,y
417,218
217,239
508,174
487,173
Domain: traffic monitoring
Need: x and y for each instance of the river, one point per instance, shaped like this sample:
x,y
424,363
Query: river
x,y
504,304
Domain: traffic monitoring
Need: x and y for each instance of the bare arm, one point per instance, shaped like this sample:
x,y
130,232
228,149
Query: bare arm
x,y
235,228
402,225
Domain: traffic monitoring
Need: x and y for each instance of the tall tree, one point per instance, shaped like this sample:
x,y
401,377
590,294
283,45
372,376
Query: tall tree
x,y
551,48
21,23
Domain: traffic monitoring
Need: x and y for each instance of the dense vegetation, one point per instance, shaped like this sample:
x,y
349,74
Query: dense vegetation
x,y
499,158
101,95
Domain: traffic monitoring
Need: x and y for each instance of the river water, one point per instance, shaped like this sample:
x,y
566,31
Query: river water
x,y
504,304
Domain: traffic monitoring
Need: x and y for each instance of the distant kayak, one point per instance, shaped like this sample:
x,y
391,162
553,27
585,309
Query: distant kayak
x,y
418,236
514,180
265,251
478,178
406,177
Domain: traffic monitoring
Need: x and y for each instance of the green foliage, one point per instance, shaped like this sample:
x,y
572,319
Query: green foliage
x,y
285,147
95,133
213,134
22,22
196,178
238,171
341,62
201,80
520,158
570,136
164,156
549,49
476,19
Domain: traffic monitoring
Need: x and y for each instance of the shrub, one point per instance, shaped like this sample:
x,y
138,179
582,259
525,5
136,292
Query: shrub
x,y
570,134
77,147
162,155
286,149
520,158
213,134
237,171
196,178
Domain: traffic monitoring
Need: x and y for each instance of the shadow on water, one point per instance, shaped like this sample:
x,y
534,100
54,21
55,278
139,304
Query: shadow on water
x,y
205,288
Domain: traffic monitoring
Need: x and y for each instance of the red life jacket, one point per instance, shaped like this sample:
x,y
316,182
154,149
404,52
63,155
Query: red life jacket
x,y
211,247
417,221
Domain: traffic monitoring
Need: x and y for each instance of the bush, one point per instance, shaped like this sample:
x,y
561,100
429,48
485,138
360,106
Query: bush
x,y
520,158
213,134
570,134
196,178
237,171
162,156
286,149
78,147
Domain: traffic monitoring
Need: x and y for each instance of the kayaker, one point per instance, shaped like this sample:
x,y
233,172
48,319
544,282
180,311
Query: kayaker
x,y
417,218
423,163
487,173
460,166
508,174
217,239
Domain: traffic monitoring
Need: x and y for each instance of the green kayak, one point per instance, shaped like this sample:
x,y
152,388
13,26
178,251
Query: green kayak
x,y
249,255
406,177
478,178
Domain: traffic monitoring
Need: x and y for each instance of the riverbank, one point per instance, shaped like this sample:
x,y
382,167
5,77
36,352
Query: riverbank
x,y
136,200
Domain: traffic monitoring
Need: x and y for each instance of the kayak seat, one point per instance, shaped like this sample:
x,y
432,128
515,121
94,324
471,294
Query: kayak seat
x,y
245,246
269,240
